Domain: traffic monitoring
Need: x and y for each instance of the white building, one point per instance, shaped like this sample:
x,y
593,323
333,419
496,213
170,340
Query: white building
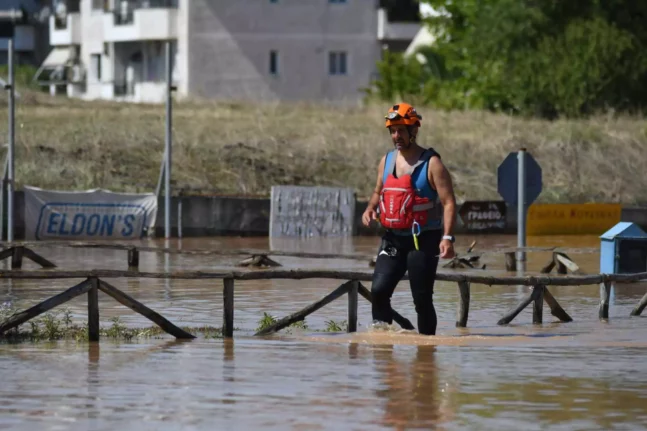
x,y
225,49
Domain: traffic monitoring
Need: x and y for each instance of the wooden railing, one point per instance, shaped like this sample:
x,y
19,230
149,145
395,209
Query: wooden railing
x,y
95,281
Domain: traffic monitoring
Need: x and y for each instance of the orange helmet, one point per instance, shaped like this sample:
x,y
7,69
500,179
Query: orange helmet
x,y
404,114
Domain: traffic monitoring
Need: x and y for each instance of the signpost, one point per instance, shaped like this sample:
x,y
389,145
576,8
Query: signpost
x,y
520,182
483,216
8,21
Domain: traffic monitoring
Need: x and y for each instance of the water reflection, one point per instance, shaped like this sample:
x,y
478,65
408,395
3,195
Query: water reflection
x,y
412,393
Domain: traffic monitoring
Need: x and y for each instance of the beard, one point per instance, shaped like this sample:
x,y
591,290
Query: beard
x,y
401,145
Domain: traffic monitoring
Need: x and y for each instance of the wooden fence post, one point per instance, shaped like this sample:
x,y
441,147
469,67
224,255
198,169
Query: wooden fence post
x,y
352,306
93,310
538,305
605,295
16,258
463,304
510,261
228,314
133,258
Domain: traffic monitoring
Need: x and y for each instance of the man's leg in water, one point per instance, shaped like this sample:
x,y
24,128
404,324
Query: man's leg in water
x,y
388,271
422,267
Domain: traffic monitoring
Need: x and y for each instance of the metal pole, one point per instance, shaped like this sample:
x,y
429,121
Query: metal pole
x,y
179,218
167,150
11,176
521,204
3,182
158,189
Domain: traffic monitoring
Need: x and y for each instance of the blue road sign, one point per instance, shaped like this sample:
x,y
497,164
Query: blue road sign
x,y
507,179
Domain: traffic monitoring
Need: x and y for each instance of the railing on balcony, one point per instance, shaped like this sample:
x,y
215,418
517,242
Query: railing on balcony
x,y
61,10
124,12
124,89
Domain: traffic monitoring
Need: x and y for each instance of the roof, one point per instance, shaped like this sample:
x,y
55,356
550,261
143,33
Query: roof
x,y
624,230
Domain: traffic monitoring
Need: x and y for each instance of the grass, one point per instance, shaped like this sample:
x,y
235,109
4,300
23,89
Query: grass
x,y
268,320
244,149
58,325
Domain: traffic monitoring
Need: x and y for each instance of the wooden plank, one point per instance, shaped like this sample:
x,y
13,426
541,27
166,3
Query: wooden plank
x,y
397,317
605,295
549,267
523,304
45,306
6,253
556,309
16,259
352,306
228,302
37,258
232,252
93,310
538,305
640,307
529,280
140,308
302,314
567,263
463,304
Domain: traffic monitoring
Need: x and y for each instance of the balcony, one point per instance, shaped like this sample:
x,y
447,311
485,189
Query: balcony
x,y
65,31
141,20
388,31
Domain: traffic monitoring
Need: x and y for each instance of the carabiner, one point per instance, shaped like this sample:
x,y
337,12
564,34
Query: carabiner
x,y
415,234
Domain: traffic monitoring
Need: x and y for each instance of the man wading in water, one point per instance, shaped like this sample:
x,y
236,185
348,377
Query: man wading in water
x,y
412,184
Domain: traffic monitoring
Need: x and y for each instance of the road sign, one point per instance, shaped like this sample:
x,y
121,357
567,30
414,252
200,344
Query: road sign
x,y
483,216
507,179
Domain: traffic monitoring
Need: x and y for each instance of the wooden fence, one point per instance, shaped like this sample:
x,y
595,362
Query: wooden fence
x,y
95,281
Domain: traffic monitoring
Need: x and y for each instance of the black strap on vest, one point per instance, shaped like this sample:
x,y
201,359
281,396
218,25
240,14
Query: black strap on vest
x,y
426,155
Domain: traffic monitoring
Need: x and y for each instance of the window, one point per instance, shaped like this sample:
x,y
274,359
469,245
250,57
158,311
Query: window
x,y
95,65
274,1
99,5
274,63
336,1
337,63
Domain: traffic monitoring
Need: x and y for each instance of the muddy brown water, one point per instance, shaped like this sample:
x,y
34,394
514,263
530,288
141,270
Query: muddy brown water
x,y
580,375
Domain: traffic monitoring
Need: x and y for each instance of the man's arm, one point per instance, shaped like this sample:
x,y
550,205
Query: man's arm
x,y
375,197
441,180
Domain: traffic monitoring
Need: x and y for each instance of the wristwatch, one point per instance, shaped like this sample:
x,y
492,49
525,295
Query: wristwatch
x,y
451,238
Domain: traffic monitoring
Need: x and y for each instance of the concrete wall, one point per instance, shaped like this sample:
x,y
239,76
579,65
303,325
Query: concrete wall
x,y
239,216
230,42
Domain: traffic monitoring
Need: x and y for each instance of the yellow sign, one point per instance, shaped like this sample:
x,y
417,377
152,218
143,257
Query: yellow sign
x,y
567,219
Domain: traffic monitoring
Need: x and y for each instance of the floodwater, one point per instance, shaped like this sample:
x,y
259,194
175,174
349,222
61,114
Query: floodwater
x,y
582,375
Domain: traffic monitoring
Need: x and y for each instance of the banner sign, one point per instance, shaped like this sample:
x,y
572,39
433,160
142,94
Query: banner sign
x,y
566,219
300,211
483,216
92,214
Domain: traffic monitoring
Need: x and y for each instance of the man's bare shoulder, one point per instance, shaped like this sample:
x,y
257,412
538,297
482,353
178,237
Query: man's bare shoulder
x,y
436,163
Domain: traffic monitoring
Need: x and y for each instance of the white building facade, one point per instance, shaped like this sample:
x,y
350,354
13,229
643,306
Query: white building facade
x,y
299,50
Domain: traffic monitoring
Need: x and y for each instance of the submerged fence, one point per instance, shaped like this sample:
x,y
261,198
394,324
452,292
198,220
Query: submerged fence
x,y
95,281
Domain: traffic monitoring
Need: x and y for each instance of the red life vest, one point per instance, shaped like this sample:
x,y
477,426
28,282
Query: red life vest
x,y
400,206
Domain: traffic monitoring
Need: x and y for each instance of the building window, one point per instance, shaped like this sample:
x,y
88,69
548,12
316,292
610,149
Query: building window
x,y
337,63
99,5
95,65
274,1
336,1
274,63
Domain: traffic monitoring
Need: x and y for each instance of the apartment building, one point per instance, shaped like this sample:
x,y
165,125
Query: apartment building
x,y
30,38
297,50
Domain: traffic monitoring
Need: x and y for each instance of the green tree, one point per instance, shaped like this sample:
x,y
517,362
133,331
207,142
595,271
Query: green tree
x,y
546,58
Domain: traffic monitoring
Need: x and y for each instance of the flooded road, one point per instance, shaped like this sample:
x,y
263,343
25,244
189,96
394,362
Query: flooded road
x,y
580,375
